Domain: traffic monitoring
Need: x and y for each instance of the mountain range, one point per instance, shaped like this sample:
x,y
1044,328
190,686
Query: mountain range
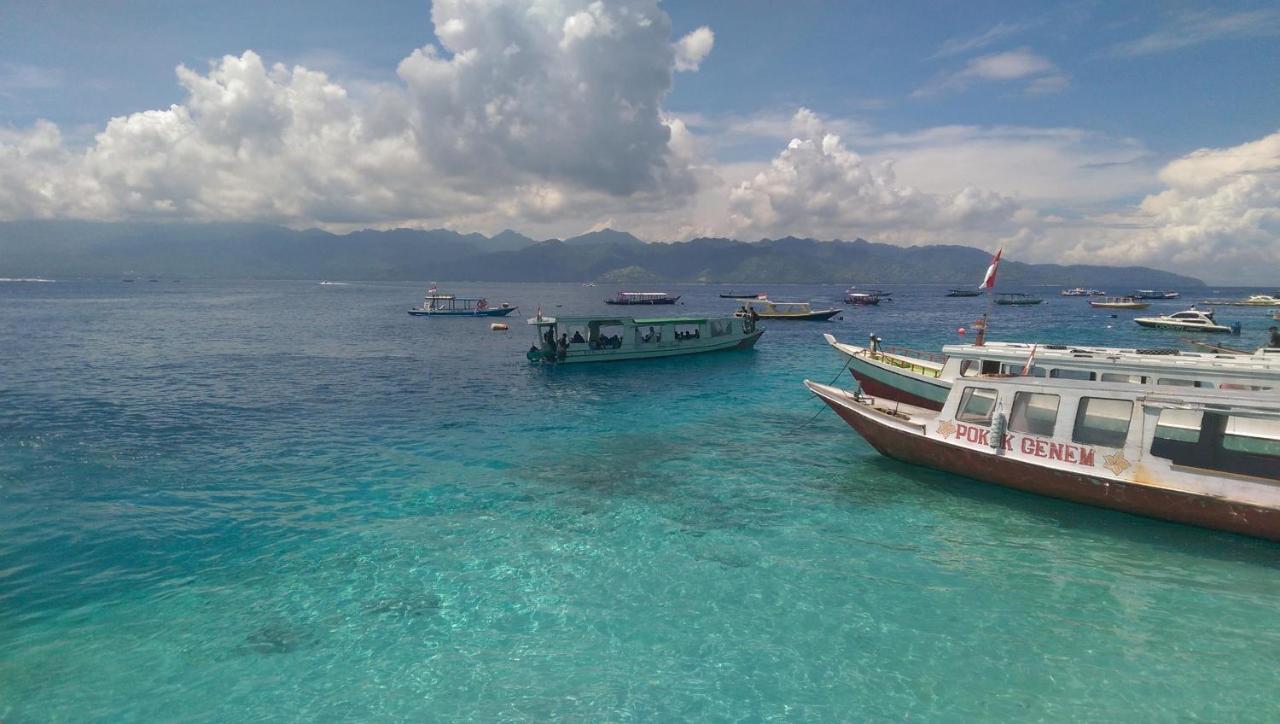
x,y
70,249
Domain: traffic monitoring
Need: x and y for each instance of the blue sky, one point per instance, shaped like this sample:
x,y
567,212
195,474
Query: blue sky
x,y
1065,131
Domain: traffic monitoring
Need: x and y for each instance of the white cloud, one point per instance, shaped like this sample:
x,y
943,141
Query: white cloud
x,y
1019,64
960,45
528,110
818,186
693,48
1198,27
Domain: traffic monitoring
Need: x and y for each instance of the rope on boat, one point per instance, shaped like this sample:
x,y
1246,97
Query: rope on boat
x,y
822,405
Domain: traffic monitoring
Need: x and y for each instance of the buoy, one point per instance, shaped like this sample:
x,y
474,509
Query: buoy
x,y
497,327
960,330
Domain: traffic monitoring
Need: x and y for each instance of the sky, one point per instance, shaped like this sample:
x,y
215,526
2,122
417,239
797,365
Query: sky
x,y
1088,132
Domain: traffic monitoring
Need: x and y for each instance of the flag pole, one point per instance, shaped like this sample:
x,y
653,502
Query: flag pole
x,y
989,284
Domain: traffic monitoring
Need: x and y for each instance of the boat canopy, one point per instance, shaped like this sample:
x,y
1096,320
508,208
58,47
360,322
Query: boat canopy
x,y
584,321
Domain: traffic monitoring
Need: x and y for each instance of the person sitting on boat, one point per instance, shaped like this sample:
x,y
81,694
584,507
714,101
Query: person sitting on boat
x,y
577,337
1275,337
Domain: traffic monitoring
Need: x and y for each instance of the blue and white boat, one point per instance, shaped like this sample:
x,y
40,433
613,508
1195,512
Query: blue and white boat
x,y
449,305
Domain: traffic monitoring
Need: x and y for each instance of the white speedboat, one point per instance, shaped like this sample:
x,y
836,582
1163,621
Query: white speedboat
x,y
1192,320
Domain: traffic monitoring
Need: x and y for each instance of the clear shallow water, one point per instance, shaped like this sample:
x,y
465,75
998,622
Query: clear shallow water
x,y
234,500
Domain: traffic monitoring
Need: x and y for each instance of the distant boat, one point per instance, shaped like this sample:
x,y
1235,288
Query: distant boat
x,y
588,284
642,298
332,284
735,295
864,298
1255,300
800,311
964,292
127,279
1017,298
1192,320
1119,303
572,340
1156,294
448,305
1081,292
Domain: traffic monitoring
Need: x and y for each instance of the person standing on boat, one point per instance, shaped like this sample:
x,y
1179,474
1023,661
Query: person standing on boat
x,y
1275,337
562,347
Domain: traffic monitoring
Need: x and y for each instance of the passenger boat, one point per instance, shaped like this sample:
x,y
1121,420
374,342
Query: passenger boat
x,y
1119,303
642,298
1155,294
1192,320
864,298
964,293
767,309
1082,292
925,380
449,305
1201,457
570,340
735,295
1017,298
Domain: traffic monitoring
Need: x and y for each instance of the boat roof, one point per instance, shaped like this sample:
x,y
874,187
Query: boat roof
x,y
642,294
776,304
582,321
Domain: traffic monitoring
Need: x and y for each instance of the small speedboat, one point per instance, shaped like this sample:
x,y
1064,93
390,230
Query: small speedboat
x,y
866,298
1119,303
1256,300
1192,320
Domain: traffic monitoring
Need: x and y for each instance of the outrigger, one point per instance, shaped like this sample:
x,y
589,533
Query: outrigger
x,y
569,340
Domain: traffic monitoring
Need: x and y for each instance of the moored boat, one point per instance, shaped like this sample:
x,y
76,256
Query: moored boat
x,y
449,305
1156,294
1082,292
863,298
925,380
1119,303
1201,457
735,295
1017,299
569,340
800,311
642,298
1254,300
1191,320
964,293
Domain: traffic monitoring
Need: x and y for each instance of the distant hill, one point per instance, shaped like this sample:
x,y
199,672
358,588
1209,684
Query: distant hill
x,y
65,249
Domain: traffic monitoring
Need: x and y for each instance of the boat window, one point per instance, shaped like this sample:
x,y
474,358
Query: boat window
x,y
1254,436
721,327
604,336
968,368
1179,425
1101,421
1072,374
1129,379
682,332
1034,413
976,405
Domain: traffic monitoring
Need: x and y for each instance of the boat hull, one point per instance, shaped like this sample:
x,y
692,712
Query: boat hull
x,y
1106,305
1152,502
1154,324
647,302
819,316
622,355
890,383
495,312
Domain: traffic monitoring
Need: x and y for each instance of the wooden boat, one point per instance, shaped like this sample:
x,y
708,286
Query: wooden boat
x,y
571,340
964,293
1119,303
1017,298
734,295
449,305
924,379
1156,294
800,311
642,298
1192,320
1201,457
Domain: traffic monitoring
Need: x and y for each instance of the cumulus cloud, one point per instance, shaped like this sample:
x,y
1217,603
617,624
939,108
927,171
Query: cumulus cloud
x,y
1020,64
526,108
693,48
820,186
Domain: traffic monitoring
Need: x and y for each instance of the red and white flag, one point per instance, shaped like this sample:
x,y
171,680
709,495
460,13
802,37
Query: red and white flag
x,y
989,280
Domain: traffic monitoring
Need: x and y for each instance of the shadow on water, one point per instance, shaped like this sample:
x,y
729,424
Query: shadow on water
x,y
904,483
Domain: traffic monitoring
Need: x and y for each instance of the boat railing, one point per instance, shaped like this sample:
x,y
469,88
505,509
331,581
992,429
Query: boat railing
x,y
901,358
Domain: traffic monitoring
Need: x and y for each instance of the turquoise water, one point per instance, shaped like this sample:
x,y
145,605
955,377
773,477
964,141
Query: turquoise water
x,y
252,500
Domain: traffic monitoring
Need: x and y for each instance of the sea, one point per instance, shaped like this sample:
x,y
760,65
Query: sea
x,y
282,500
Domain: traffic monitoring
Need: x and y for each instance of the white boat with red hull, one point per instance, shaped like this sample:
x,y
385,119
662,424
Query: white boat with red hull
x,y
1200,457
